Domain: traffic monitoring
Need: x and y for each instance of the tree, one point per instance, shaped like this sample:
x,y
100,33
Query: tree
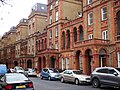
x,y
3,2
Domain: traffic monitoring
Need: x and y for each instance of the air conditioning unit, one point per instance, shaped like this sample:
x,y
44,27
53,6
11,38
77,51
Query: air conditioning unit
x,y
80,14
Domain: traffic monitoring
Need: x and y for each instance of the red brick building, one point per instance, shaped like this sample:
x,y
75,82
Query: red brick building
x,y
79,34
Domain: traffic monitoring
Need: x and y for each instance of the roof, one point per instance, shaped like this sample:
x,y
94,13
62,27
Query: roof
x,y
39,7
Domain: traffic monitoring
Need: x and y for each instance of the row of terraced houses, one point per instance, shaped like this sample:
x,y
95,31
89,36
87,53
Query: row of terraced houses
x,y
65,34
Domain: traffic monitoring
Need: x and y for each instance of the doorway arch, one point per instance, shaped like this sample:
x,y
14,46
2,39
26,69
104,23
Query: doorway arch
x,y
89,57
53,62
44,62
40,64
79,60
102,58
29,64
15,63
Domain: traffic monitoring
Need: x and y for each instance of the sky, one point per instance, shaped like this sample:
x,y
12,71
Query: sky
x,y
12,12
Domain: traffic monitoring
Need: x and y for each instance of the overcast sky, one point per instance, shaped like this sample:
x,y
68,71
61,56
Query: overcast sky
x,y
10,15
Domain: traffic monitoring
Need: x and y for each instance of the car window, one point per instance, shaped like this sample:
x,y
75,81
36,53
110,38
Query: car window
x,y
66,72
16,77
69,72
102,71
53,71
45,70
118,69
19,68
3,78
77,72
111,71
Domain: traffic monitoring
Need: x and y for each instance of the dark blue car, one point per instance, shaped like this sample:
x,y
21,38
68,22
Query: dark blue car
x,y
50,73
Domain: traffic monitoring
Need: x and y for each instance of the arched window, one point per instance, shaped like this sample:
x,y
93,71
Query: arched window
x,y
63,40
75,34
118,16
81,33
45,43
68,39
42,44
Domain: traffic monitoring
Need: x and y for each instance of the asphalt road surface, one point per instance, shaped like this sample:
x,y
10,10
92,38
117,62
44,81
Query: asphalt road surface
x,y
57,85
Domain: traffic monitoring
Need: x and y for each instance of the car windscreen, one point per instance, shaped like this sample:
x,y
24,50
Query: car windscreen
x,y
77,72
54,71
19,68
15,78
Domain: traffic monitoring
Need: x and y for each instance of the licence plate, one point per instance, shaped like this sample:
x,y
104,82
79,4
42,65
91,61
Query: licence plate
x,y
22,86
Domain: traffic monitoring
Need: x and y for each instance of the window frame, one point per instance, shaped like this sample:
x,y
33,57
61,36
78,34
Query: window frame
x,y
56,16
105,34
50,34
56,32
50,19
90,18
118,55
104,13
90,36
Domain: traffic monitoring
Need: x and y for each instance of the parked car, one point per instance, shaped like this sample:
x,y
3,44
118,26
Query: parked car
x,y
50,73
20,70
106,76
16,81
11,70
75,76
3,69
31,72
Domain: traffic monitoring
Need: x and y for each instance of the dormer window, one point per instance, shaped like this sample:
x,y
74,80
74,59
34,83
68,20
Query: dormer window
x,y
42,8
56,2
89,1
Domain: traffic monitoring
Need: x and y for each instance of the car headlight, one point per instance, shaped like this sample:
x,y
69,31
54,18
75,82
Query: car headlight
x,y
52,75
82,78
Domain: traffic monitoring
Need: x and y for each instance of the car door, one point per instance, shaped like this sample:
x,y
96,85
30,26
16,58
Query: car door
x,y
70,76
113,78
2,82
102,75
65,75
45,73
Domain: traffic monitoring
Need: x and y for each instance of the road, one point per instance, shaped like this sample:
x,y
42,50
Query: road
x,y
57,85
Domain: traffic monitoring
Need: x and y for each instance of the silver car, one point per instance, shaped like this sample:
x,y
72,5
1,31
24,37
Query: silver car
x,y
107,76
20,70
75,76
31,72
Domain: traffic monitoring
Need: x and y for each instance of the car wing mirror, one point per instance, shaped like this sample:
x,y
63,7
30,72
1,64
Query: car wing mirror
x,y
115,73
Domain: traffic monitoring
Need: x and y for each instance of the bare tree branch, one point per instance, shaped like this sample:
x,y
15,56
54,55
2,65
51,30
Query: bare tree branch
x,y
3,2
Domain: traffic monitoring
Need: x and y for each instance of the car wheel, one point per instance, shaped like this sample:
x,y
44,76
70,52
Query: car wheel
x,y
96,83
76,81
62,80
41,77
49,78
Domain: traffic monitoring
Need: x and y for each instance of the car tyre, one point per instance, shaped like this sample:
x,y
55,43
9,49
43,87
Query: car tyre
x,y
76,81
49,78
41,77
96,83
62,80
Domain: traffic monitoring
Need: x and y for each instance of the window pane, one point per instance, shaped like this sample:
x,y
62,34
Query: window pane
x,y
104,13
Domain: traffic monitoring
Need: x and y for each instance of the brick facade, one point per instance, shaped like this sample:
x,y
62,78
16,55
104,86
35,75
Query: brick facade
x,y
73,34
